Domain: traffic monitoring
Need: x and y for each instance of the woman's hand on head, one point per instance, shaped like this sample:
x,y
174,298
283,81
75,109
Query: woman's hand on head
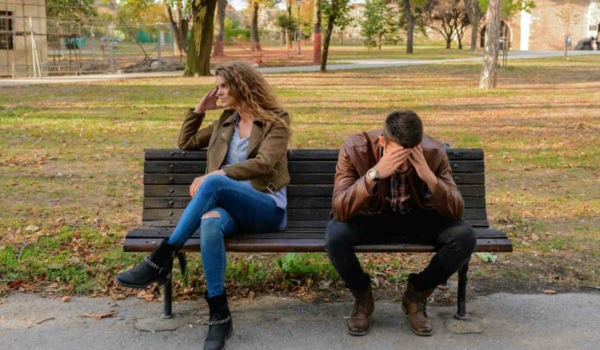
x,y
208,102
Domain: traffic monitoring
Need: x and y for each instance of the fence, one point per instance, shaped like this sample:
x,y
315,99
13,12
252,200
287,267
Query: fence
x,y
36,41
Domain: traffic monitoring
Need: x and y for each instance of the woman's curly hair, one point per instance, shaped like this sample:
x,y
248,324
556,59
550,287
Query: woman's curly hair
x,y
249,88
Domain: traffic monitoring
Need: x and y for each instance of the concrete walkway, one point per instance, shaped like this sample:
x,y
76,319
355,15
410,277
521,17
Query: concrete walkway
x,y
499,322
348,64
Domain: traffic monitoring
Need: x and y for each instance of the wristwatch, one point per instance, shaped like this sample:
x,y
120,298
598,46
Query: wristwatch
x,y
373,175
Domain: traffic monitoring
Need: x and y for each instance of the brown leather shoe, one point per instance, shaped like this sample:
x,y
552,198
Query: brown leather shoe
x,y
364,305
414,304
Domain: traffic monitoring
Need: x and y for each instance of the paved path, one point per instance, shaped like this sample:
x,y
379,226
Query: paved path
x,y
348,64
499,322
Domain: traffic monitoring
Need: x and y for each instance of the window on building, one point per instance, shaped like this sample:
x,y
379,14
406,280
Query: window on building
x,y
6,28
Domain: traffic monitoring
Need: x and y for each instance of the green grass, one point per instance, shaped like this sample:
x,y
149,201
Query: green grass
x,y
71,159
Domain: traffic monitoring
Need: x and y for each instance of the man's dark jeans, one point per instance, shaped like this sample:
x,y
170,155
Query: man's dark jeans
x,y
454,240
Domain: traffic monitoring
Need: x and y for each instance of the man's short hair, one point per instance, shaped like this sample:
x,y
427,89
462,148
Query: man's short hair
x,y
403,127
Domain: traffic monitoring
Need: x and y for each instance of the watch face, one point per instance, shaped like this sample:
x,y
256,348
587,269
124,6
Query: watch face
x,y
372,174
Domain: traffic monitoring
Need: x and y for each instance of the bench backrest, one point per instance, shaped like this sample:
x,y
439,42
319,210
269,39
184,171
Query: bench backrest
x,y
169,173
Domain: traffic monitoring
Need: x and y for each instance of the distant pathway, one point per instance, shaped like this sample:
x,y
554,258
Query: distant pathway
x,y
349,64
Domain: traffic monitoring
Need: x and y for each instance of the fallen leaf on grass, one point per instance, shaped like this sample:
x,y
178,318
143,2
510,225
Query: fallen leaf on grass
x,y
66,299
487,257
100,316
31,228
549,291
14,284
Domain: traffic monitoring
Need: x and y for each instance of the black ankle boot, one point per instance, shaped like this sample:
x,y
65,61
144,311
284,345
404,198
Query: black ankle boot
x,y
220,326
155,268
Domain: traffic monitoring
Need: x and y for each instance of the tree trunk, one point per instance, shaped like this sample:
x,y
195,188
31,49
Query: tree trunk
x,y
475,30
179,28
459,38
219,49
410,26
474,13
326,44
489,72
198,59
448,42
289,33
254,28
317,33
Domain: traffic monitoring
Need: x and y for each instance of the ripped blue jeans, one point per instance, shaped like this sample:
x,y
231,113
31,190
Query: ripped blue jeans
x,y
237,207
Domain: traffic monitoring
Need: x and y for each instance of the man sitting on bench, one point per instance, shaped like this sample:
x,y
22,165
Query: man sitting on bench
x,y
396,183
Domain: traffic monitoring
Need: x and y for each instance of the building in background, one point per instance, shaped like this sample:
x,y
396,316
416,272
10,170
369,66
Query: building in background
x,y
543,30
21,22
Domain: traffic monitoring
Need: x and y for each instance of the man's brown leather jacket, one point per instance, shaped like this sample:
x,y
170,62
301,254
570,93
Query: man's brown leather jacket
x,y
361,152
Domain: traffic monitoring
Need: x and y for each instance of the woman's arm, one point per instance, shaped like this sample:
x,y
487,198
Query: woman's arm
x,y
189,136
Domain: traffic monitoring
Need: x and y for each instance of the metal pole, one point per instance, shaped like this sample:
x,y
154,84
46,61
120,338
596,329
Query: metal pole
x,y
14,37
298,34
32,49
110,52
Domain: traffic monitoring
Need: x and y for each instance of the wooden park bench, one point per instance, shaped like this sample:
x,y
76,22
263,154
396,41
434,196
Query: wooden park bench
x,y
169,173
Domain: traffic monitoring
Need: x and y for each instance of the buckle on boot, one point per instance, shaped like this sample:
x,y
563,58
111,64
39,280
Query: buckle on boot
x,y
161,270
216,323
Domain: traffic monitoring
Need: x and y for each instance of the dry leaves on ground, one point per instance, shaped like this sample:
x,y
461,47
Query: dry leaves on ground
x,y
100,316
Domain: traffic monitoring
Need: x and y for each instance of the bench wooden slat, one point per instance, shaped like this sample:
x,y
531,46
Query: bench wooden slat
x,y
293,202
292,190
198,167
294,214
298,233
296,178
298,154
316,223
311,245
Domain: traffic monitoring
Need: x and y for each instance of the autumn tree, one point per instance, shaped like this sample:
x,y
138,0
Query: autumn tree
x,y
219,49
568,17
473,10
337,14
380,23
174,10
138,12
414,16
200,45
254,37
489,72
496,9
317,19
449,18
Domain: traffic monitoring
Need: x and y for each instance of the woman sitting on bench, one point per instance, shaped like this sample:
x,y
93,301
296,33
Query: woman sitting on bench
x,y
244,188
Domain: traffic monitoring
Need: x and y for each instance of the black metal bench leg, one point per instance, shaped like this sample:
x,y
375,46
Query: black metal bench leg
x,y
168,298
461,314
168,287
